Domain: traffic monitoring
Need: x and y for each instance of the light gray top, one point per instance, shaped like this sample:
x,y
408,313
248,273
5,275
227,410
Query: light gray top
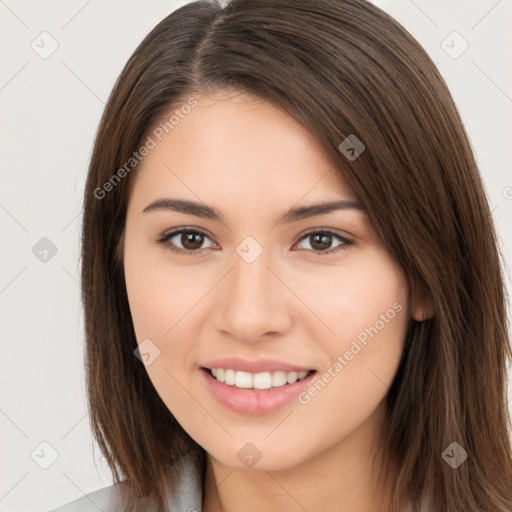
x,y
188,497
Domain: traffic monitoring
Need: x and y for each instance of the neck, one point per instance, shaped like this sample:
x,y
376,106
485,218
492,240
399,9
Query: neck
x,y
343,477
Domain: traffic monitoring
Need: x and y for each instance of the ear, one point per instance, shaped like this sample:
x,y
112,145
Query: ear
x,y
422,306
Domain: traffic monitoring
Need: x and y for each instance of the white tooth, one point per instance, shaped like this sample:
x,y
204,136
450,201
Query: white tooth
x,y
278,379
243,380
262,380
230,377
291,377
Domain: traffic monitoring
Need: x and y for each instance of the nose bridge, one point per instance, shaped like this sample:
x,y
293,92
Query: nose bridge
x,y
251,279
252,304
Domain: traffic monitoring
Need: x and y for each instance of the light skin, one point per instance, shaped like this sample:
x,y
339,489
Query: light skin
x,y
252,162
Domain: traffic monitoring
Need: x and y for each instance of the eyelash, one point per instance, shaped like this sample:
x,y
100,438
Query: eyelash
x,y
164,240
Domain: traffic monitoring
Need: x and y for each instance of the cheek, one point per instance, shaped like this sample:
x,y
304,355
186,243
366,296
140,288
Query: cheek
x,y
374,304
366,305
167,307
152,303
368,289
159,299
158,295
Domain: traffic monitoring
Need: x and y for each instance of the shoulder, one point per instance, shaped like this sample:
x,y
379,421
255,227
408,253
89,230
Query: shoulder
x,y
187,498
103,499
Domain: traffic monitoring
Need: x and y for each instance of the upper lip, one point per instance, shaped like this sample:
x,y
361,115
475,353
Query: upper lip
x,y
255,366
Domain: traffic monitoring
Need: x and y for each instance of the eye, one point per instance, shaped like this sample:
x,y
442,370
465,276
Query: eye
x,y
188,241
185,240
322,239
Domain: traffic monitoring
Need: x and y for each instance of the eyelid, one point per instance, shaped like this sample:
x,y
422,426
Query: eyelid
x,y
332,231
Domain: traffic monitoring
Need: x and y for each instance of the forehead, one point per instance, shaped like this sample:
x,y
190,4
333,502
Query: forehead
x,y
234,145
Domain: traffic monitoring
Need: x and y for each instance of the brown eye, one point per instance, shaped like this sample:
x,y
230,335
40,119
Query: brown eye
x,y
191,240
321,242
185,240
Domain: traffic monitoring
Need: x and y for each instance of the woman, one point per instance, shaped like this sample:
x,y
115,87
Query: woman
x,y
292,292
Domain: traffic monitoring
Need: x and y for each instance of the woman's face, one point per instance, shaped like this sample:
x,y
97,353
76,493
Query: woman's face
x,y
264,295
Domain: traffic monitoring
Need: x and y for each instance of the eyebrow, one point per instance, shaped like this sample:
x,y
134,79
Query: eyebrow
x,y
293,215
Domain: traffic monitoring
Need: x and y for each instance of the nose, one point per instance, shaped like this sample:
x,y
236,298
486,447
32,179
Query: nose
x,y
253,302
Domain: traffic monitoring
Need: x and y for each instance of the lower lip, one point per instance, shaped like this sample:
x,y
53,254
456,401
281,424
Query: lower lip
x,y
253,401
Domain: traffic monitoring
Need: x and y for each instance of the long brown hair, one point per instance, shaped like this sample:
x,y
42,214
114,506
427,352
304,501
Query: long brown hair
x,y
339,67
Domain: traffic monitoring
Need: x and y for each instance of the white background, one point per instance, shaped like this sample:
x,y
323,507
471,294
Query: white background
x,y
50,109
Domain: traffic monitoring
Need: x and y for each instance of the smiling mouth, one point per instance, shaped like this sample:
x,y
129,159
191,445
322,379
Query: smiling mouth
x,y
256,381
